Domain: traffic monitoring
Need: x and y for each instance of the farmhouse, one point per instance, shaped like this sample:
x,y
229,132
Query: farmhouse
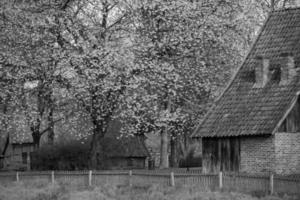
x,y
15,153
254,126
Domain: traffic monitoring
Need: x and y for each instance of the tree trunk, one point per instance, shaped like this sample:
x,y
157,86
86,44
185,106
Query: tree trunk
x,y
164,160
51,127
97,156
36,136
173,156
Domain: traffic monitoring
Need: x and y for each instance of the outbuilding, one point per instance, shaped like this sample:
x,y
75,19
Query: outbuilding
x,y
254,126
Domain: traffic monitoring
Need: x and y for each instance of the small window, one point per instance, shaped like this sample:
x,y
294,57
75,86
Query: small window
x,y
275,74
248,76
24,157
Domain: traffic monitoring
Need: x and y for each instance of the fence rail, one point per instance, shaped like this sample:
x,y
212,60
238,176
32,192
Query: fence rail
x,y
229,182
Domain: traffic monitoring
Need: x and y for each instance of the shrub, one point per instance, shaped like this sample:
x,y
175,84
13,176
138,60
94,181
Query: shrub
x,y
70,156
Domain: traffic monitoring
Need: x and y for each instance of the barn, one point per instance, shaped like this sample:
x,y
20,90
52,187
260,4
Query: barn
x,y
15,153
123,152
254,126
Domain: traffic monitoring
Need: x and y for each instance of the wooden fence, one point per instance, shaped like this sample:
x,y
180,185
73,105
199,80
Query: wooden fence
x,y
229,182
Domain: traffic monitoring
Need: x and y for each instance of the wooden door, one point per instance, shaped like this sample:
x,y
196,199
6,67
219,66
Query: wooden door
x,y
221,154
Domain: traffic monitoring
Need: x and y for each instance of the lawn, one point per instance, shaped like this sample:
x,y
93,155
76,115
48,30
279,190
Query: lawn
x,y
44,191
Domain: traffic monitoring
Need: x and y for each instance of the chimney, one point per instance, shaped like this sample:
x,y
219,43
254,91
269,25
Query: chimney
x,y
261,72
287,67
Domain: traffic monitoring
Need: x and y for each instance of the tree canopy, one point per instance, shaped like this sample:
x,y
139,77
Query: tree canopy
x,y
155,65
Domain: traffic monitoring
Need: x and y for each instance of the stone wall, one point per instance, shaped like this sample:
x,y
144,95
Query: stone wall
x,y
287,148
257,154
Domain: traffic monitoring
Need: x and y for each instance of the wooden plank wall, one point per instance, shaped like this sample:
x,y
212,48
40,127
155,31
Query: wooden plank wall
x,y
221,154
292,122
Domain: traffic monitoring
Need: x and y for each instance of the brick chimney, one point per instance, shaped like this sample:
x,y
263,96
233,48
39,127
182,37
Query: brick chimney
x,y
261,72
287,67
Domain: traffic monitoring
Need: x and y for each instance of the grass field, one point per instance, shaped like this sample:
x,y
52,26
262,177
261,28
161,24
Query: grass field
x,y
44,191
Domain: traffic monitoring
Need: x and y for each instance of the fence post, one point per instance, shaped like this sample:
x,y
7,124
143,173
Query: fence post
x,y
220,180
17,177
52,177
130,176
271,183
90,178
172,179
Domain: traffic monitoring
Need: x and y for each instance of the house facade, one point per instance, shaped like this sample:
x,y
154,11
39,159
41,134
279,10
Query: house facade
x,y
254,126
16,155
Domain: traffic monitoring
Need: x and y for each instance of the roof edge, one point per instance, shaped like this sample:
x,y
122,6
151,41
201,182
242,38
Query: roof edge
x,y
230,136
233,77
287,111
5,146
285,9
22,143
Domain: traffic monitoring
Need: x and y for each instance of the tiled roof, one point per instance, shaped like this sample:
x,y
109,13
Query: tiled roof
x,y
23,138
245,110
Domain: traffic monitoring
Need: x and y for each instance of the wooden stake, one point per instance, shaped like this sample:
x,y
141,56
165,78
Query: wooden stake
x,y
52,177
220,180
130,175
90,178
17,177
172,179
271,183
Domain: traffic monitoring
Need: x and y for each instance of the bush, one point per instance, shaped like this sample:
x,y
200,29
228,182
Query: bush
x,y
70,156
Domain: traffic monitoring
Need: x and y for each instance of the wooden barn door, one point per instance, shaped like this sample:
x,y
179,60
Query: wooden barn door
x,y
221,154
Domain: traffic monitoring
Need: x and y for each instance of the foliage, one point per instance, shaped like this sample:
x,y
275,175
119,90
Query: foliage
x,y
74,154
61,45
68,156
184,51
156,64
30,60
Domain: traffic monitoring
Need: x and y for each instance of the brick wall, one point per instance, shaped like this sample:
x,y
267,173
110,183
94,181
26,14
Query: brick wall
x,y
287,148
257,154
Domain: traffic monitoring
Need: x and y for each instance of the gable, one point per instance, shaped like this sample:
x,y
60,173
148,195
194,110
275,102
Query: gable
x,y
291,123
244,109
4,145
